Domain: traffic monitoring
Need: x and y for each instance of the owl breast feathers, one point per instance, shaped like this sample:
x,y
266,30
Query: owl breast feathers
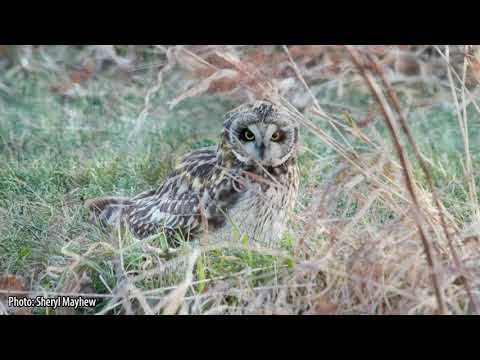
x,y
248,183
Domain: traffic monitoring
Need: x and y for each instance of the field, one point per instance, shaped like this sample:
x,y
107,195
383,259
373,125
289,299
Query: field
x,y
384,223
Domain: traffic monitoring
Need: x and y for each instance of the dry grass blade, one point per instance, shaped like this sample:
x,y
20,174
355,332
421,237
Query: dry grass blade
x,y
391,125
404,125
203,86
174,300
463,123
317,105
386,217
152,91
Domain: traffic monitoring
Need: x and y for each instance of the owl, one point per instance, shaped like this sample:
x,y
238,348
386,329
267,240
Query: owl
x,y
243,188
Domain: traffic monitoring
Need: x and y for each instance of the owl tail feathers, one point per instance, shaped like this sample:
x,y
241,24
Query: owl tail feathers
x,y
105,211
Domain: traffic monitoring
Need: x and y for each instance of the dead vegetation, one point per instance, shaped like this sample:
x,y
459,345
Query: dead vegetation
x,y
386,223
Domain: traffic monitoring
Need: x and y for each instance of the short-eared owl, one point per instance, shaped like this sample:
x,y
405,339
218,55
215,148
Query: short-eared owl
x,y
246,185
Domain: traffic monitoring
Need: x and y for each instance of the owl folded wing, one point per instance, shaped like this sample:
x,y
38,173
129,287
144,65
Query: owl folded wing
x,y
181,203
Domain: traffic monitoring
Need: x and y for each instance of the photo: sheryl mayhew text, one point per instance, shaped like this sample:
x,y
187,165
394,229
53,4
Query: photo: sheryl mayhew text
x,y
52,302
262,179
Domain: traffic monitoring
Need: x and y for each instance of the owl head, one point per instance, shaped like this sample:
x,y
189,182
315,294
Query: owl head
x,y
260,133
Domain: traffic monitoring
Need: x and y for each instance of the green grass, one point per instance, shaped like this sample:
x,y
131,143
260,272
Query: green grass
x,y
55,153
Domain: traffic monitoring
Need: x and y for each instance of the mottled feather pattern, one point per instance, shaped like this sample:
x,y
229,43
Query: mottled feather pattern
x,y
262,210
175,204
107,210
215,189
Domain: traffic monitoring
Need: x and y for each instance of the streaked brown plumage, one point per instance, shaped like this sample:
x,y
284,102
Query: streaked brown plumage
x,y
248,182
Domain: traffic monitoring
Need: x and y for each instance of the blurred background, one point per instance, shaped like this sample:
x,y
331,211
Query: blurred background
x,y
80,121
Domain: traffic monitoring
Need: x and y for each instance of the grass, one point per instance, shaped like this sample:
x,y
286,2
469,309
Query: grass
x,y
361,253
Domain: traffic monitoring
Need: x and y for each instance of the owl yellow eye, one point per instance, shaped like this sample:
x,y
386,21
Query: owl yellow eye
x,y
248,135
277,136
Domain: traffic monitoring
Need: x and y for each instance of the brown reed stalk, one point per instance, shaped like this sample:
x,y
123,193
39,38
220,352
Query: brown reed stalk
x,y
390,122
406,129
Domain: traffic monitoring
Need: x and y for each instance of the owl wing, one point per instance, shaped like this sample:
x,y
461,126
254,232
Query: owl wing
x,y
178,204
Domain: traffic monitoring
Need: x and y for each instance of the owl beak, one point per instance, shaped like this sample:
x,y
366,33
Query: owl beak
x,y
262,150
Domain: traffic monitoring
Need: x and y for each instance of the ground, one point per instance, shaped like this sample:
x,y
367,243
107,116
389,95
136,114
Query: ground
x,y
349,252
